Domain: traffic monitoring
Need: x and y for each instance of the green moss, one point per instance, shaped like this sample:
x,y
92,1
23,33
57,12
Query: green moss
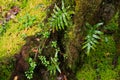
x,y
86,73
113,23
6,67
12,40
99,62
108,74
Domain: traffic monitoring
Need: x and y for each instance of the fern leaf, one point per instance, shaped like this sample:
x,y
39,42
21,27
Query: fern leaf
x,y
95,41
53,15
98,24
64,19
84,46
57,8
96,36
58,21
98,32
88,49
63,7
55,11
61,22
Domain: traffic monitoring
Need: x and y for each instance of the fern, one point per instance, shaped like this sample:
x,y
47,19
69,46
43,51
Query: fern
x,y
93,35
60,18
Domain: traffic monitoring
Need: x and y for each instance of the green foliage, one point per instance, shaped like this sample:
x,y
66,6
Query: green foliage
x,y
27,21
6,68
53,64
60,18
44,61
29,73
54,44
92,37
46,34
86,73
99,62
106,72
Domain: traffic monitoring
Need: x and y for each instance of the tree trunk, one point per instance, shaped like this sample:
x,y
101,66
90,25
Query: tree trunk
x,y
84,12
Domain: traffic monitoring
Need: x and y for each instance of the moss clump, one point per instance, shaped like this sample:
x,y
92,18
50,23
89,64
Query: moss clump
x,y
12,40
86,73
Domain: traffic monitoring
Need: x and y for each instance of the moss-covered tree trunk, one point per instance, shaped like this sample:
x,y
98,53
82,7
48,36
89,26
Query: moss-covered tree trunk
x,y
84,12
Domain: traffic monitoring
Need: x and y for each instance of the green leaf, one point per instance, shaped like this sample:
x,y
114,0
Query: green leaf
x,y
63,7
53,15
96,36
55,11
61,22
88,49
64,19
97,25
58,9
59,25
95,41
98,32
85,46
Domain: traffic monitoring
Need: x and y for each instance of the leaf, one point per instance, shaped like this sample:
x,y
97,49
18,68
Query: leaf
x,y
53,15
96,36
64,19
97,25
61,22
58,9
95,41
98,32
58,22
85,46
63,7
55,11
57,67
88,49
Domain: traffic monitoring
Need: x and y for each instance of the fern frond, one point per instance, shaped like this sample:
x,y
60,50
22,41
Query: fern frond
x,y
60,18
93,35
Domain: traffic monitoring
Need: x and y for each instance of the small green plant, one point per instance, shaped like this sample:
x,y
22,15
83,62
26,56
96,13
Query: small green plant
x,y
44,60
27,21
29,73
60,18
54,44
46,34
53,64
93,35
